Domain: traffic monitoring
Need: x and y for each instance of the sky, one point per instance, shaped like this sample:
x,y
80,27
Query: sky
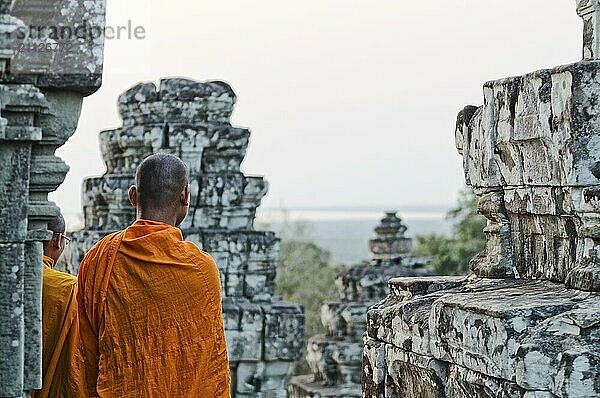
x,y
351,103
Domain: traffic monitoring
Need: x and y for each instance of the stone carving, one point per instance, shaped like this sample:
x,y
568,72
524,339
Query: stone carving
x,y
512,329
531,152
191,120
40,101
335,357
588,10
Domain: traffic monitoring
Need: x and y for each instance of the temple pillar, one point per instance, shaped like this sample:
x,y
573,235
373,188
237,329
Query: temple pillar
x,y
40,102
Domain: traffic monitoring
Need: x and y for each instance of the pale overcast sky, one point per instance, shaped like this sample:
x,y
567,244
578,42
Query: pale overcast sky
x,y
351,103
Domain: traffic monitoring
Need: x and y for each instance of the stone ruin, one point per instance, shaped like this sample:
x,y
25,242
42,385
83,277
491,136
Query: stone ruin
x,y
190,119
335,358
42,85
526,323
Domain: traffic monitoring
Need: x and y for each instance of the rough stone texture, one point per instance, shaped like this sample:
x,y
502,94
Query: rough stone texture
x,y
40,103
53,43
191,120
483,338
588,10
532,153
526,323
335,357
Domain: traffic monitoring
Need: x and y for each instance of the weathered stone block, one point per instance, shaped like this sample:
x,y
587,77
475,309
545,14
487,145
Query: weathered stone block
x,y
392,372
305,387
561,353
348,356
505,337
284,326
244,324
353,316
182,101
32,313
406,288
373,375
402,323
533,144
14,185
244,345
12,331
262,379
538,394
470,384
527,124
412,375
483,326
277,374
320,357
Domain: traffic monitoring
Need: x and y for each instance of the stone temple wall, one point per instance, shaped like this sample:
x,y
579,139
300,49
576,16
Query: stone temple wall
x,y
335,357
526,323
190,119
43,80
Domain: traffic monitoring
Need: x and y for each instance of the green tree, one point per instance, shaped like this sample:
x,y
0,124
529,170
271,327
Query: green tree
x,y
306,277
451,255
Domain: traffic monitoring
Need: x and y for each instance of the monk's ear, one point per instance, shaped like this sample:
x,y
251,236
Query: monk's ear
x,y
56,241
133,196
185,195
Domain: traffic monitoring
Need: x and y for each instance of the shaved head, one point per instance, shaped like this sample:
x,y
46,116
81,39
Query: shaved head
x,y
57,225
160,180
54,247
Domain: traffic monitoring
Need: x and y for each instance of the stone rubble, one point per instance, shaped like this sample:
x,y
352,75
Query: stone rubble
x,y
190,119
335,357
526,323
40,102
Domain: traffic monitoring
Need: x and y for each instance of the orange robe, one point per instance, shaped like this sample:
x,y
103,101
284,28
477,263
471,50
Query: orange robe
x,y
150,316
62,359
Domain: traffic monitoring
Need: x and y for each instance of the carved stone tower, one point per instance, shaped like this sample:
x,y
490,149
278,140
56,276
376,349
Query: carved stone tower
x,y
335,357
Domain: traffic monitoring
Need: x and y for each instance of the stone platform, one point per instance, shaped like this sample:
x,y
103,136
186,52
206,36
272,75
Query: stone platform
x,y
447,337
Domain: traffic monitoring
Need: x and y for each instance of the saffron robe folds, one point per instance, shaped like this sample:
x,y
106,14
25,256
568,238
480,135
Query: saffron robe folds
x,y
62,359
150,316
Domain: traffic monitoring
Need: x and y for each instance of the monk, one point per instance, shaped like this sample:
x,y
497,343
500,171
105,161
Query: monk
x,y
62,359
150,303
